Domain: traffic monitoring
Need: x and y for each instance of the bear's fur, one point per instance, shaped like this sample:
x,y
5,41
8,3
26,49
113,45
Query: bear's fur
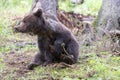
x,y
55,41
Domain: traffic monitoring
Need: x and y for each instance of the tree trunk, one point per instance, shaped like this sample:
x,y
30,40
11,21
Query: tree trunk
x,y
49,7
109,20
109,17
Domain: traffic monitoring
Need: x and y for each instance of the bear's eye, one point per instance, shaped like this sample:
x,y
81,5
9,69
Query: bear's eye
x,y
24,21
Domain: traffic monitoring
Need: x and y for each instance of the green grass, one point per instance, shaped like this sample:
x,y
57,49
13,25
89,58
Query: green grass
x,y
88,7
92,68
9,10
89,66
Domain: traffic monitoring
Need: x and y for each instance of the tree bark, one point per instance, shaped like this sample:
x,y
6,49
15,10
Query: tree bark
x,y
109,21
49,7
108,18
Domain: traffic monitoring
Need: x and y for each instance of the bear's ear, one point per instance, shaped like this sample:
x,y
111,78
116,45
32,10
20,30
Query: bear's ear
x,y
38,13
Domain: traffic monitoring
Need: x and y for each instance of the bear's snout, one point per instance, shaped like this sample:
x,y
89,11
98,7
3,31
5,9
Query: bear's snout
x,y
20,28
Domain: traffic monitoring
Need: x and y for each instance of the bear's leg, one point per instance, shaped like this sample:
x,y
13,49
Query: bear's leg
x,y
73,50
61,53
57,47
44,57
40,59
48,58
43,44
36,62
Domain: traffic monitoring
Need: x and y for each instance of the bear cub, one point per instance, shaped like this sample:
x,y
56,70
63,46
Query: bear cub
x,y
55,42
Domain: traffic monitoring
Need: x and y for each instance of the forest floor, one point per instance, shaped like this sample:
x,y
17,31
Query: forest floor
x,y
96,62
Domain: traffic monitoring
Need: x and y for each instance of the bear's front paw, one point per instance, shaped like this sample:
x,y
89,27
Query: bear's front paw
x,y
32,66
67,59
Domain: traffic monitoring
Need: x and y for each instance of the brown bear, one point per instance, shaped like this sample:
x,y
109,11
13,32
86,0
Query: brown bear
x,y
56,42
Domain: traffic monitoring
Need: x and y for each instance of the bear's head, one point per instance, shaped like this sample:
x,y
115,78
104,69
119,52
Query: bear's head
x,y
32,23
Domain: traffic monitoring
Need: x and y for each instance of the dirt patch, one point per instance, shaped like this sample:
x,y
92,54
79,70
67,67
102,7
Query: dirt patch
x,y
16,63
